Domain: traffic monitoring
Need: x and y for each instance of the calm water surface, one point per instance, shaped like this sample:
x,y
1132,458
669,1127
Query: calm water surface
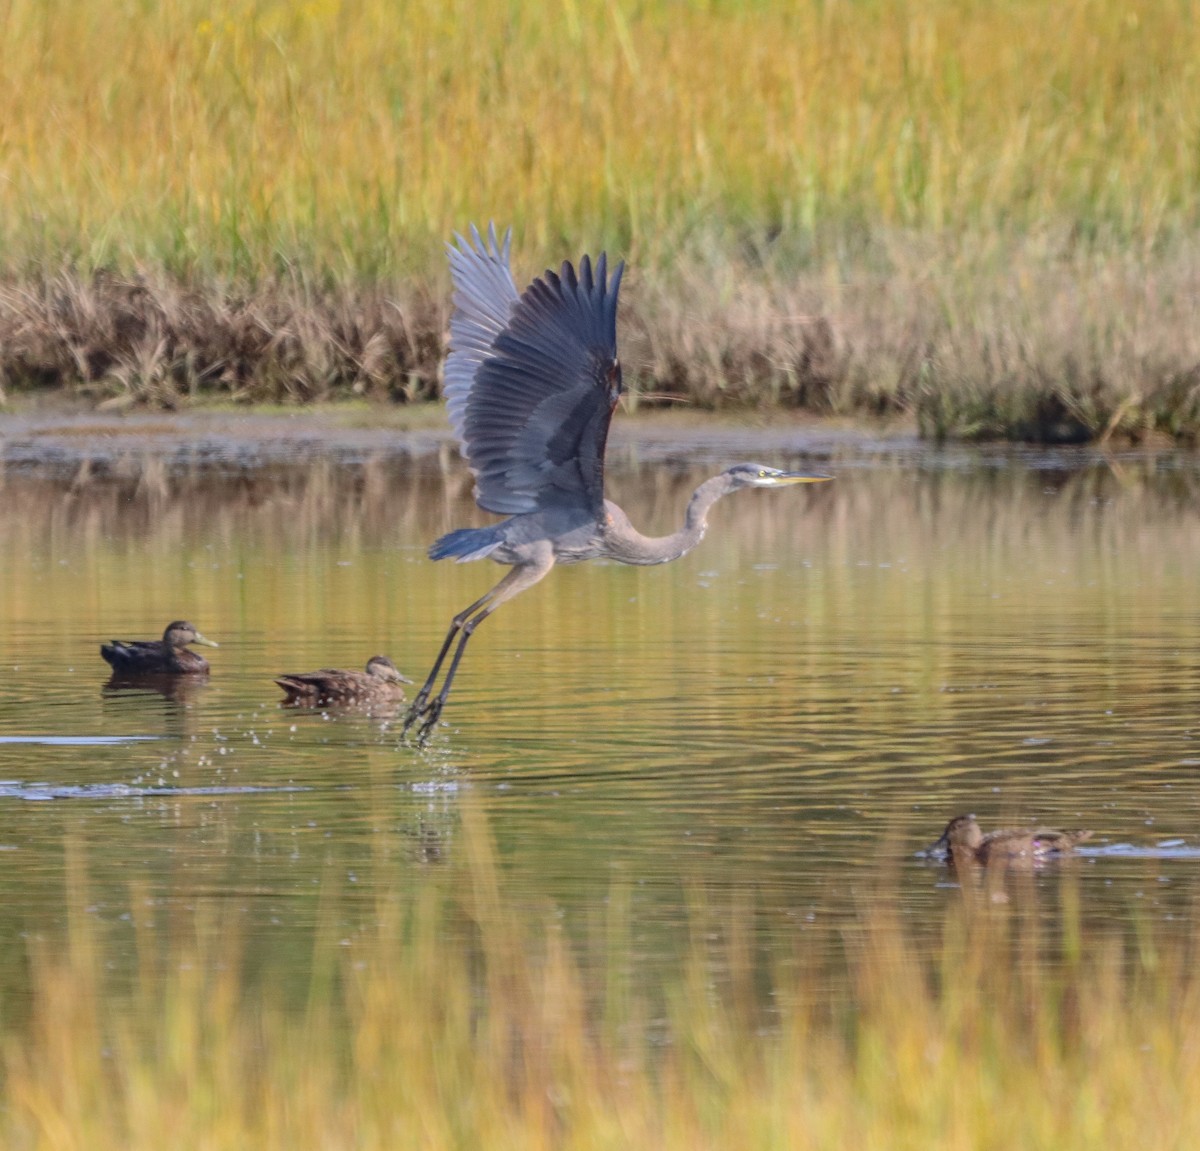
x,y
781,719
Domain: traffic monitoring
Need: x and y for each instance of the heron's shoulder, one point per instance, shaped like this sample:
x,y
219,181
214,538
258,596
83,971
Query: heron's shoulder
x,y
614,516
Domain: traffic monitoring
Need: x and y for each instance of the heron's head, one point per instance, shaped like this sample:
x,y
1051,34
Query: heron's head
x,y
761,476
382,668
181,633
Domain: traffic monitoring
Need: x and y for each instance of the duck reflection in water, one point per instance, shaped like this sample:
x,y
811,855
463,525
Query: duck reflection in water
x,y
964,844
180,689
379,686
167,656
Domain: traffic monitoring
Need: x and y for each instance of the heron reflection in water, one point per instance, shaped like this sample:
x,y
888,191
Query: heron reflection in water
x,y
531,382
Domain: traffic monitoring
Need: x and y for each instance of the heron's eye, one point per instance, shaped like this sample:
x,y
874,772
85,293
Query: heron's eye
x,y
762,475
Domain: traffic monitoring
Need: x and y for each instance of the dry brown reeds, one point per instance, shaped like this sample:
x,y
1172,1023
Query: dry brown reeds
x,y
152,339
1035,339
1024,340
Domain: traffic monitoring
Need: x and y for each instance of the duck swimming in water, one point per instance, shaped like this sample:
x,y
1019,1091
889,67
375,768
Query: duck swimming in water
x,y
379,684
964,843
166,656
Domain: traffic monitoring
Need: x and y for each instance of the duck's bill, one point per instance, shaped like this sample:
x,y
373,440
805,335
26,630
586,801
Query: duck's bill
x,y
206,642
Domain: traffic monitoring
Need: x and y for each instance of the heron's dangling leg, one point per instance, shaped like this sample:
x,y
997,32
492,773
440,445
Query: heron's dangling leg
x,y
433,710
422,697
516,581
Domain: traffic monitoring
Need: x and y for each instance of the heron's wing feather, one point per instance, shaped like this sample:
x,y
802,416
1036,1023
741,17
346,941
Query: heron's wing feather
x,y
484,297
533,415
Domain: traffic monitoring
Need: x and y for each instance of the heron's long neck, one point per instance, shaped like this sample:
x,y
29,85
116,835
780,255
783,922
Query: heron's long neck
x,y
631,547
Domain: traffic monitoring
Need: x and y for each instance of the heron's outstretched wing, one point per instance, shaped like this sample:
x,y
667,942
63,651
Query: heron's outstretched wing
x,y
531,381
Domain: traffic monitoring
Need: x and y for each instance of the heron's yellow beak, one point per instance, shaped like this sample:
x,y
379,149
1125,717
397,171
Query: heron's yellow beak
x,y
800,478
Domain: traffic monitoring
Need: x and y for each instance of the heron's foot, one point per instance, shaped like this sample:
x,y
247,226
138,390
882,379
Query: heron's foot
x,y
415,712
431,715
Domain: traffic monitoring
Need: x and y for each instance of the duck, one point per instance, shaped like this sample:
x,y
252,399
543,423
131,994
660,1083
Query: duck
x,y
380,683
166,656
963,841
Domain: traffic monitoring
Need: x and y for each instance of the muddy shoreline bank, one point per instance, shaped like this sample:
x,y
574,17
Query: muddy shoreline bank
x,y
52,434
71,446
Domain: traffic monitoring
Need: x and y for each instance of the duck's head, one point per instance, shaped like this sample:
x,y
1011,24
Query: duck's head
x,y
961,831
180,633
382,668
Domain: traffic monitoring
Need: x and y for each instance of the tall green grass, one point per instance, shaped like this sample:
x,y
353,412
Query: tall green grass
x,y
1015,1029
250,136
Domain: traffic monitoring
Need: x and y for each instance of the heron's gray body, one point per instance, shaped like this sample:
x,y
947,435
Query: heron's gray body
x,y
531,383
571,536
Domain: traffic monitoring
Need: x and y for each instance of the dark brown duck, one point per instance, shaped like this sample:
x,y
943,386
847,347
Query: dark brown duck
x,y
963,841
166,656
380,683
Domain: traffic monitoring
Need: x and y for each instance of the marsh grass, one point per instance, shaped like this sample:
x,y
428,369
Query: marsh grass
x,y
253,135
979,215
1007,1025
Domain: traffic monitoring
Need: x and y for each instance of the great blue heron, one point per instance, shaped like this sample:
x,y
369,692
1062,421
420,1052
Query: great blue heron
x,y
531,384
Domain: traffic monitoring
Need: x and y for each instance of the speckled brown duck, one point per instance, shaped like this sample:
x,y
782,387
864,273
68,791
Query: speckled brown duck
x,y
379,684
964,842
166,656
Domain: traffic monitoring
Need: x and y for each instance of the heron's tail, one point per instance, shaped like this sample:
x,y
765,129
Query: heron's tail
x,y
466,544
